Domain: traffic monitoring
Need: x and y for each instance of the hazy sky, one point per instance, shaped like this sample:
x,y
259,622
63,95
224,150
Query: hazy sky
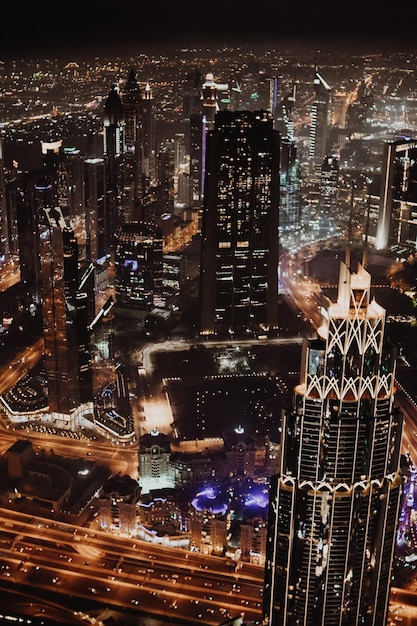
x,y
51,27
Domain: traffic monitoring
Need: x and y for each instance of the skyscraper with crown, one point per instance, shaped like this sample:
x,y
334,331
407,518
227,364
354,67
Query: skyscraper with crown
x,y
335,504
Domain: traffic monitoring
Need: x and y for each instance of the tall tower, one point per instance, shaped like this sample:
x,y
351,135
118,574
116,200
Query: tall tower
x,y
334,505
290,226
320,120
398,195
132,150
147,137
4,217
113,119
58,260
138,265
239,259
95,199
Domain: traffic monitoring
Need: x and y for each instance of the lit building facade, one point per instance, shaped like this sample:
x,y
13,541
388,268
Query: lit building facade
x,y
397,221
334,506
155,469
60,329
138,265
320,120
113,150
118,504
95,200
239,256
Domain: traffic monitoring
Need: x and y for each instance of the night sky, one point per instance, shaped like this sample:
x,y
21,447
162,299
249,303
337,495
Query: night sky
x,y
76,28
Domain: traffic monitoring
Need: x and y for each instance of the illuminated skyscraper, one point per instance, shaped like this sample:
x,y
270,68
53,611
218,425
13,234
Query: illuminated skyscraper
x,y
58,293
138,265
334,506
290,226
239,261
133,184
95,199
147,137
113,118
320,120
4,217
397,220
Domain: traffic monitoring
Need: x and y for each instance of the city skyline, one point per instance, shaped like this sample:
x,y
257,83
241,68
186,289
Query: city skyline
x,y
168,422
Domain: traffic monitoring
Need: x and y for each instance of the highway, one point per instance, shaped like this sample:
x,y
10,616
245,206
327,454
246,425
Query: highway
x,y
91,566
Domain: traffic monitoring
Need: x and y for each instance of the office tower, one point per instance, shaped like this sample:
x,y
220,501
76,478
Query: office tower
x,y
31,195
193,116
95,199
328,218
138,265
147,137
165,174
197,153
72,160
113,120
60,338
13,187
131,103
4,215
290,178
320,120
84,315
133,188
284,114
191,103
290,226
334,505
65,167
239,255
397,221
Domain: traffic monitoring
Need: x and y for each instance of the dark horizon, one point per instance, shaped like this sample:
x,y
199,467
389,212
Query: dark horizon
x,y
81,29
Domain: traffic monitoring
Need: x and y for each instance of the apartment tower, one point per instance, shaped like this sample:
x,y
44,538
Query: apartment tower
x,y
334,505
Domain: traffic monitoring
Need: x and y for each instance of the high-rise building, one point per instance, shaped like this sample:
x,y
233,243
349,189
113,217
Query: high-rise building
x,y
95,199
290,226
133,187
138,265
60,331
147,137
328,212
320,120
239,255
113,120
4,216
335,504
397,220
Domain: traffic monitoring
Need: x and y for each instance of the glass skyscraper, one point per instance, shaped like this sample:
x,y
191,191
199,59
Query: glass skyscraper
x,y
239,262
334,506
